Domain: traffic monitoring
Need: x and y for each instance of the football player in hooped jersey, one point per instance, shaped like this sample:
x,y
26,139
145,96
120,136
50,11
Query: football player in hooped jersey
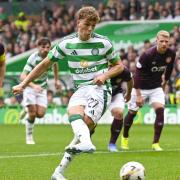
x,y
156,62
89,56
35,95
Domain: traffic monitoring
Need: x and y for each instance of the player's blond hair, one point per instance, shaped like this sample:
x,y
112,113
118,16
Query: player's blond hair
x,y
163,33
88,13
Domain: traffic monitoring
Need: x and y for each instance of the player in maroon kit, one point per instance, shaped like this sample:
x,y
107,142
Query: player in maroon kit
x,y
117,105
156,62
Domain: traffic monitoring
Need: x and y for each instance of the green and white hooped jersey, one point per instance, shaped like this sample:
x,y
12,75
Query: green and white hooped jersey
x,y
32,62
86,59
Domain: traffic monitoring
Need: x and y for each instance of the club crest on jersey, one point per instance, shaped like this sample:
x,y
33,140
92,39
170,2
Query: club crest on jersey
x,y
95,51
168,60
84,63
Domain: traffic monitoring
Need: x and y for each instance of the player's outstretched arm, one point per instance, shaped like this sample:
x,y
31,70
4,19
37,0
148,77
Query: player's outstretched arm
x,y
115,69
35,73
56,76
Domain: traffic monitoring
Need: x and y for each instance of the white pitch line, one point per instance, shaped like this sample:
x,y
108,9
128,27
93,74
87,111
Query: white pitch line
x,y
29,155
97,152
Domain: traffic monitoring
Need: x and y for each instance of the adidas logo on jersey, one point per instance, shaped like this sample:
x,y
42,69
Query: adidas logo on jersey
x,y
74,53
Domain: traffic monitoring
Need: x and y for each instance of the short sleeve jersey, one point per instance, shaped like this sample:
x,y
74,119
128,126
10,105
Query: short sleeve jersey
x,y
151,66
86,59
32,62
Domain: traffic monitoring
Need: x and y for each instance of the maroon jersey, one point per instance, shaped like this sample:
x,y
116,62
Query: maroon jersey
x,y
151,66
117,81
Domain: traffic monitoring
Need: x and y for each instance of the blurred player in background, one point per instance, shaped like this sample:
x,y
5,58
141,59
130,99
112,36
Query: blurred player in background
x,y
149,84
117,105
88,57
35,94
2,70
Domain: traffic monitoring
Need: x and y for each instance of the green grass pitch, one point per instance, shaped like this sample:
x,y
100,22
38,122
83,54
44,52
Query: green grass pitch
x,y
19,161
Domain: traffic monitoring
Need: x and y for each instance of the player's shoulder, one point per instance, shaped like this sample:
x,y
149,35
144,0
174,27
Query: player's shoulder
x,y
33,56
171,51
151,51
126,72
126,69
69,38
100,37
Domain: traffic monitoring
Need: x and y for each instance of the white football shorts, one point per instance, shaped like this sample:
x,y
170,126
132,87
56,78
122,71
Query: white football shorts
x,y
31,97
153,95
95,99
117,102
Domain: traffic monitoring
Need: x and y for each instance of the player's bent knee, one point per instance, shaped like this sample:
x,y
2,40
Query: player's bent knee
x,y
32,115
40,115
117,114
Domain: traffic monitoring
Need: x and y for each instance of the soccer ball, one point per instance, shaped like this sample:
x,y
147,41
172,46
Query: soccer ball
x,y
132,171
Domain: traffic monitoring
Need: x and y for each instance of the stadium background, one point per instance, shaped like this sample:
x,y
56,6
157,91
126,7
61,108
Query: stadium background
x,y
131,25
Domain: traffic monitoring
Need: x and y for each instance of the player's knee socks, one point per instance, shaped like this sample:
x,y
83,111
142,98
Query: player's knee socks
x,y
158,125
29,127
67,158
80,129
116,127
128,121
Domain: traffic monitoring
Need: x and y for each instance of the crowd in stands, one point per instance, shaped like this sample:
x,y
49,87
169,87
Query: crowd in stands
x,y
20,33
